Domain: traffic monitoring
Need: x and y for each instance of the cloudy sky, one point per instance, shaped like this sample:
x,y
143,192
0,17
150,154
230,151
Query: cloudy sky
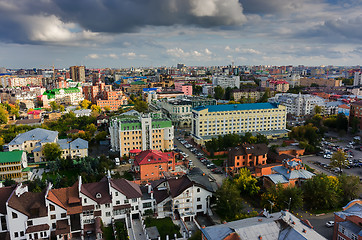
x,y
151,33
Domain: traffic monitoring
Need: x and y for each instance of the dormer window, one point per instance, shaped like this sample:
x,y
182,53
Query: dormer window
x,y
98,195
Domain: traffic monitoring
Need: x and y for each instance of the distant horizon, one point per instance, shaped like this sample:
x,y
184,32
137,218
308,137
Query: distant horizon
x,y
122,34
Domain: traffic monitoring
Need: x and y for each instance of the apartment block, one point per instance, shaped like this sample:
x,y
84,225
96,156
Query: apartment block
x,y
66,96
183,87
356,113
144,132
299,104
77,73
225,81
209,122
250,93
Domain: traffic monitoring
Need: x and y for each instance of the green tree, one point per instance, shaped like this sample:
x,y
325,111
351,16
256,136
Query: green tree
x,y
265,96
354,124
339,159
283,197
141,106
317,109
219,92
101,136
91,128
247,183
4,115
85,104
9,182
51,151
320,193
107,109
342,122
61,108
54,106
228,201
229,94
350,187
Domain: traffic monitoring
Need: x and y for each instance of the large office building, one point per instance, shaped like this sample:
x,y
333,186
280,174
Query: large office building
x,y
144,132
209,122
225,81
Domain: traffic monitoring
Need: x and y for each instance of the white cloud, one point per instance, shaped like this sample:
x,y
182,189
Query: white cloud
x,y
93,56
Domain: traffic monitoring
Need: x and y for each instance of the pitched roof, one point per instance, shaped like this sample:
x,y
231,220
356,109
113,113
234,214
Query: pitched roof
x,y
67,198
29,203
39,134
37,228
91,190
177,186
152,157
293,174
5,193
127,188
11,157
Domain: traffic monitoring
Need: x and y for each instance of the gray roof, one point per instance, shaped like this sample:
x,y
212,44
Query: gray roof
x,y
82,111
354,210
281,225
277,178
39,134
294,174
73,145
152,232
354,228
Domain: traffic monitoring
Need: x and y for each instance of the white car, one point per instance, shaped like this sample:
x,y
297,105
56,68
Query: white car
x,y
330,223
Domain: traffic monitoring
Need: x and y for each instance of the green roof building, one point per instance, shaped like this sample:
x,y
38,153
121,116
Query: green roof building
x,y
12,165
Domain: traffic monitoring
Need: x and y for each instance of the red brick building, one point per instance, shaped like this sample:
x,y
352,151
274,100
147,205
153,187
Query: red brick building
x,y
246,155
152,164
348,222
356,112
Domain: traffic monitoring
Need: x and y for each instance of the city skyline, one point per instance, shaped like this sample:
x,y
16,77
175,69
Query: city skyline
x,y
195,32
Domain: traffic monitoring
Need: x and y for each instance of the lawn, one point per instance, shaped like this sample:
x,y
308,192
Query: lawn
x,y
121,230
164,226
108,233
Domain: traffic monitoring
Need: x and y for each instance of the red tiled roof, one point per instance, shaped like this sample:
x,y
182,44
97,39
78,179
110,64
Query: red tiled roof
x,y
152,156
66,198
62,227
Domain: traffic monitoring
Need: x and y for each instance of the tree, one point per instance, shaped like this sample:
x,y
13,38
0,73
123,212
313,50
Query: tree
x,y
320,193
219,92
107,108
283,197
229,94
96,108
342,122
247,183
317,109
339,159
51,151
228,201
9,182
101,136
354,124
350,186
61,108
54,106
4,115
85,104
265,96
91,128
141,106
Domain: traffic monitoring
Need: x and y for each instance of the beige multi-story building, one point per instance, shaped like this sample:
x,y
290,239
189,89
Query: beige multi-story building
x,y
13,165
250,93
209,122
144,132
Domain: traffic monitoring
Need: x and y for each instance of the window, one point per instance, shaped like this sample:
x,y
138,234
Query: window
x,y
198,199
108,205
108,214
14,215
116,194
134,199
63,215
52,216
85,200
147,205
29,223
199,207
118,202
126,201
187,200
16,234
198,190
187,209
54,225
22,234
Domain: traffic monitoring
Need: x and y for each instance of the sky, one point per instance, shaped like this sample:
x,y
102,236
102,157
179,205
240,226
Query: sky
x,y
153,33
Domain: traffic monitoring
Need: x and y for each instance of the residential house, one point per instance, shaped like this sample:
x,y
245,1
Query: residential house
x,y
291,173
279,225
246,155
347,223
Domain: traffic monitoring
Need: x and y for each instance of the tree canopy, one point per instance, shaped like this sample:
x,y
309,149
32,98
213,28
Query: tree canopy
x,y
228,201
51,151
4,115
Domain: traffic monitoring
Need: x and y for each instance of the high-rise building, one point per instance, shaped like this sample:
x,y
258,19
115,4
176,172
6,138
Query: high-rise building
x,y
77,73
357,79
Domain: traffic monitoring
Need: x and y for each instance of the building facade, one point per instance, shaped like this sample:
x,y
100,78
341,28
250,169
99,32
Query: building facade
x,y
225,81
13,165
148,131
356,113
268,119
347,223
77,73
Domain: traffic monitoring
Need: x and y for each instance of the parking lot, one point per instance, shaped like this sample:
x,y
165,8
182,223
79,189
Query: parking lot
x,y
218,177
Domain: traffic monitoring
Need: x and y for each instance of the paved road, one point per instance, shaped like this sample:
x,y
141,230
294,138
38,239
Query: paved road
x,y
138,230
196,162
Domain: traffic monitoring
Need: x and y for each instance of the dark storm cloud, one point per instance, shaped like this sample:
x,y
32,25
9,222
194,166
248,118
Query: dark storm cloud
x,y
20,20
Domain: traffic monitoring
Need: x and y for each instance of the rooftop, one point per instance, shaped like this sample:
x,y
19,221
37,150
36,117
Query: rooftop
x,y
11,157
237,107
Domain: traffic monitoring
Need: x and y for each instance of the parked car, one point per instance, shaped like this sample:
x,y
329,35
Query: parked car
x,y
330,223
216,171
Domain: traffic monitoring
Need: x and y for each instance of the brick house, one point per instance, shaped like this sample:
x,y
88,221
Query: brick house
x,y
347,223
246,155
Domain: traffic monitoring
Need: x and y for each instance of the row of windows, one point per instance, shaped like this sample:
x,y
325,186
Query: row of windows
x,y
234,113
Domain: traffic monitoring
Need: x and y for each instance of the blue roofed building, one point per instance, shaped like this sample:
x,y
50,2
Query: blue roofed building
x,y
348,222
211,121
291,173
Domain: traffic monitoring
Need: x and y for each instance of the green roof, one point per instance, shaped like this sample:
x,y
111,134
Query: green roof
x,y
138,83
27,169
11,157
